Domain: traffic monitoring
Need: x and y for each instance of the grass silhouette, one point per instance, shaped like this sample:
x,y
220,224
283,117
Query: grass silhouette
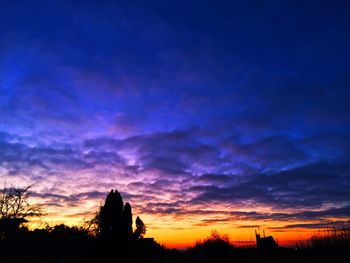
x,y
331,238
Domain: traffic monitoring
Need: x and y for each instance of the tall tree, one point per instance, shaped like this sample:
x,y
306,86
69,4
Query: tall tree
x,y
110,216
127,221
114,221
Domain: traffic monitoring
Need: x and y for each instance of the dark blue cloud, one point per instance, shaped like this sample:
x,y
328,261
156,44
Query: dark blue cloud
x,y
310,186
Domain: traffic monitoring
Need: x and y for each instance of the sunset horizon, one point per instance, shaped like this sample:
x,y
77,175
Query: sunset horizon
x,y
183,233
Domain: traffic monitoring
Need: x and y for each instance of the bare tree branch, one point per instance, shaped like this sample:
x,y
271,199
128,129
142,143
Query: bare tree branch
x,y
14,204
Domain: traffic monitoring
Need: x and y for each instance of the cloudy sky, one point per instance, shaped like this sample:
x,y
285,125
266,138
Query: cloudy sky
x,y
205,115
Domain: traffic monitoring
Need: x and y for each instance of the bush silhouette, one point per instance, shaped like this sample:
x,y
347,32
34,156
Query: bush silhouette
x,y
213,248
140,230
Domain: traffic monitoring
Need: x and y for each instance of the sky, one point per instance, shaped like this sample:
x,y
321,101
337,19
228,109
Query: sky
x,y
226,115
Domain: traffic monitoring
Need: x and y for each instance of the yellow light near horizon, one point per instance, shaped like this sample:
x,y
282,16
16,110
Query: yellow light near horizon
x,y
179,231
182,234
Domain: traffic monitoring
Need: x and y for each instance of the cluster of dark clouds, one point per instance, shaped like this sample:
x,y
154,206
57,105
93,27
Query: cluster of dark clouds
x,y
148,167
188,108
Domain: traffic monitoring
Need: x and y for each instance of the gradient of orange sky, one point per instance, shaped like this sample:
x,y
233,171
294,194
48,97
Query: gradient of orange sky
x,y
183,232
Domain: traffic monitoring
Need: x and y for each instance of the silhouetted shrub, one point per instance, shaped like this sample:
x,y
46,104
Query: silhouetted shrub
x,y
213,248
215,240
140,230
331,238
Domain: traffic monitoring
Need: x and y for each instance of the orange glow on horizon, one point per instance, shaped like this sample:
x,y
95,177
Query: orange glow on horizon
x,y
181,234
184,230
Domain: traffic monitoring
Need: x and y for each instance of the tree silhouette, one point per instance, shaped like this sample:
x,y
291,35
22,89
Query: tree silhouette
x,y
14,203
127,221
114,220
140,230
110,216
15,209
113,223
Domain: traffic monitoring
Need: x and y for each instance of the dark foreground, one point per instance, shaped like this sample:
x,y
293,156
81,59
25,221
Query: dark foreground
x,y
67,245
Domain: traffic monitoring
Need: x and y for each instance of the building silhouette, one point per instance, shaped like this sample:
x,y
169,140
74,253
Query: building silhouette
x,y
265,242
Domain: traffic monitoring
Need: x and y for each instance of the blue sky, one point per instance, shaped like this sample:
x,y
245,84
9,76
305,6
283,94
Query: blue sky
x,y
180,102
